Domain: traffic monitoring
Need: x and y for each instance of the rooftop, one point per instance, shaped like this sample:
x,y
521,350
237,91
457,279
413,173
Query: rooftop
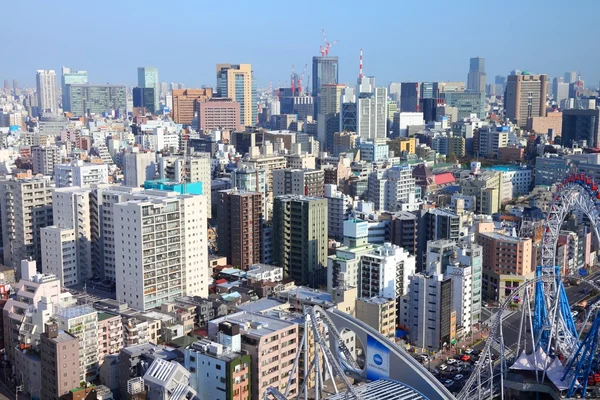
x,y
383,389
254,324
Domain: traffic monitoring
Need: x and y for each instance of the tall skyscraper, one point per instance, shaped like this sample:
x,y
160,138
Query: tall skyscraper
x,y
328,119
560,91
236,81
46,90
324,71
148,78
68,77
579,125
525,97
409,97
144,97
186,104
300,238
240,221
570,77
16,90
6,87
476,76
371,110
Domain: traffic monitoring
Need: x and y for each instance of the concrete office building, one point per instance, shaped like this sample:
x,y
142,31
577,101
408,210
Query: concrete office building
x,y
236,82
581,126
487,189
88,99
374,150
520,177
82,322
324,72
491,140
144,98
393,189
525,97
148,78
371,112
194,168
46,91
240,220
80,173
230,370
60,371
217,114
59,256
476,77
328,118
305,182
409,97
19,200
429,294
272,344
45,159
300,238
160,236
467,103
570,77
404,120
560,92
139,167
186,104
404,230
70,77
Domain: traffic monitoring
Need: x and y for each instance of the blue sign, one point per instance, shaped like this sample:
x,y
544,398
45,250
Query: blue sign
x,y
378,359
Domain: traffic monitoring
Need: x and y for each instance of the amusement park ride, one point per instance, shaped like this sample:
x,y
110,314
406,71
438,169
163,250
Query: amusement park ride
x,y
551,352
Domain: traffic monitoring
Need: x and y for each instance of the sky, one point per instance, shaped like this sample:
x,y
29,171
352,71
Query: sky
x,y
401,40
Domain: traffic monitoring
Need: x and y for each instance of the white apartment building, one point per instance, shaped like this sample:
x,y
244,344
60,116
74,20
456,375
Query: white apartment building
x,y
59,254
160,248
490,140
339,206
393,189
25,208
384,272
371,112
80,173
82,322
44,159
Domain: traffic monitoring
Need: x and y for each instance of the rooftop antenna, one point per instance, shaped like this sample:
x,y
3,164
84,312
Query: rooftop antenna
x,y
360,69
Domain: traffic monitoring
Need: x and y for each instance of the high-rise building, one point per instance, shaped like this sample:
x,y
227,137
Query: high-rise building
x,y
328,119
395,90
138,168
525,97
59,353
429,90
580,125
570,77
160,248
305,182
69,77
44,159
240,220
476,76
46,91
82,322
236,81
371,110
409,97
379,313
217,114
324,72
19,201
467,103
144,98
300,238
148,78
348,110
560,91
87,99
393,189
186,104
16,90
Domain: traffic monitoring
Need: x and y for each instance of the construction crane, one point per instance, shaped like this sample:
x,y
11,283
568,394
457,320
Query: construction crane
x,y
325,49
301,79
293,80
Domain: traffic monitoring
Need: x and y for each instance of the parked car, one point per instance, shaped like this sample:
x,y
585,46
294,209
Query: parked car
x,y
458,377
465,357
443,367
448,382
451,361
469,351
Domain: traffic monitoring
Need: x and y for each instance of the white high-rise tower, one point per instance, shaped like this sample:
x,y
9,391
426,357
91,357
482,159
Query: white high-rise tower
x,y
46,90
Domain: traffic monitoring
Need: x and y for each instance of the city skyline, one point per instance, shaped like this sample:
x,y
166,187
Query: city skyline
x,y
384,59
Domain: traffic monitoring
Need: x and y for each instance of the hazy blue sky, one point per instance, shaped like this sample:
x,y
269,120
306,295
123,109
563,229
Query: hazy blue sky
x,y
401,40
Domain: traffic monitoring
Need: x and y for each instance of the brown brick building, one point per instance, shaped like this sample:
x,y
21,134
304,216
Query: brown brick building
x,y
186,102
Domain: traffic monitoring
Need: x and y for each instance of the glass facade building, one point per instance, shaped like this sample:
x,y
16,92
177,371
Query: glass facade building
x,y
97,99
